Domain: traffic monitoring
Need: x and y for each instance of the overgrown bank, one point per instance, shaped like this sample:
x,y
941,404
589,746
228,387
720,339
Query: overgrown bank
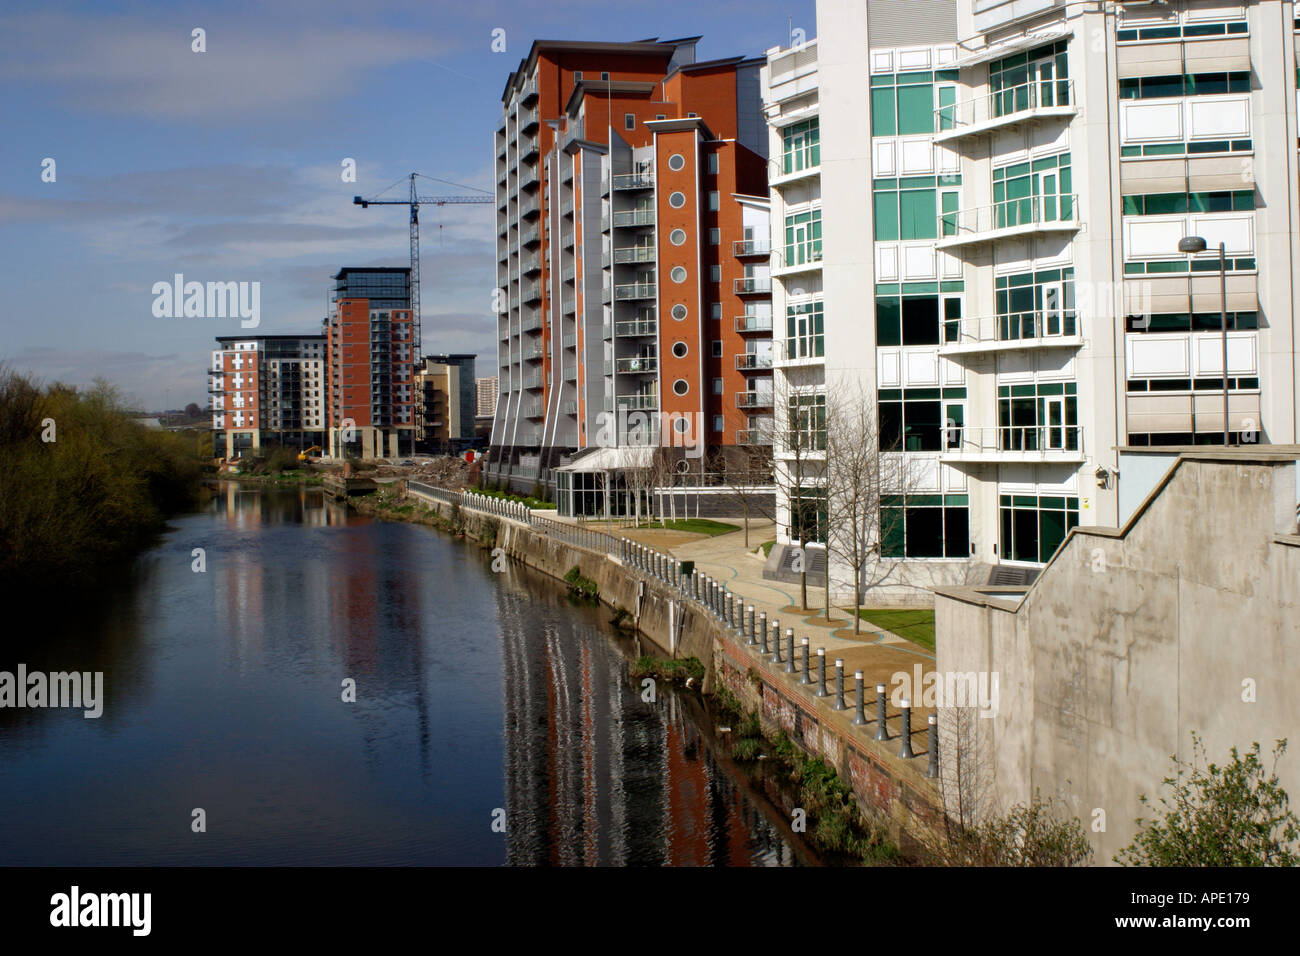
x,y
83,486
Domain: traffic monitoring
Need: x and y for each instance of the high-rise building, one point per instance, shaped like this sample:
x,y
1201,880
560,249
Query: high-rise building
x,y
1033,167
632,259
448,397
372,363
267,389
486,405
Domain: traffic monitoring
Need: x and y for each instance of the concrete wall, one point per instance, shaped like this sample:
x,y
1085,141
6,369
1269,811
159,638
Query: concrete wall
x,y
1134,638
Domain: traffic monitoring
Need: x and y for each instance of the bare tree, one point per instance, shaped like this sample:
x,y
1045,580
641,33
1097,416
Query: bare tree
x,y
862,482
746,472
799,447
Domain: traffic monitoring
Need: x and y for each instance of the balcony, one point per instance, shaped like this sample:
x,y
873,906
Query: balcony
x,y
796,259
570,341
531,264
1009,333
754,285
744,248
754,436
534,380
528,92
753,399
753,323
532,410
641,180
754,361
1014,443
637,365
531,325
635,254
566,208
534,353
635,290
1032,102
528,118
569,273
1011,219
634,217
638,403
529,208
629,328
531,237
569,408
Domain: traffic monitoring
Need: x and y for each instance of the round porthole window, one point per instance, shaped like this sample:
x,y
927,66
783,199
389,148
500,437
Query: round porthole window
x,y
682,425
678,274
677,237
681,387
676,162
679,312
680,349
677,200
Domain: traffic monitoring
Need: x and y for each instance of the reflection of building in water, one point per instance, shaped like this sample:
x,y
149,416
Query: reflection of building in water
x,y
595,776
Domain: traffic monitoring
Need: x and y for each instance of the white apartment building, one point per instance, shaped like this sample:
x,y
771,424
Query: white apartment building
x,y
1000,188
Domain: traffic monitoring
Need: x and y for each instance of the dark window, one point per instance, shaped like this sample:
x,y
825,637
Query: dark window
x,y
629,121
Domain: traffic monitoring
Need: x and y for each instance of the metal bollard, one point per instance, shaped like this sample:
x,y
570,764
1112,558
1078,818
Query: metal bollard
x,y
882,729
932,769
905,751
789,647
731,610
776,642
860,714
760,635
839,685
821,673
751,636
803,649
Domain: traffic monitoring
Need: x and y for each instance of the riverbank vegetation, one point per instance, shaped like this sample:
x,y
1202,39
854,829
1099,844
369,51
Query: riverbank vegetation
x,y
530,500
83,485
583,587
837,826
678,670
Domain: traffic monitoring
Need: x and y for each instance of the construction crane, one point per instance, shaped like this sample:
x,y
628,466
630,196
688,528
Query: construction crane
x,y
415,201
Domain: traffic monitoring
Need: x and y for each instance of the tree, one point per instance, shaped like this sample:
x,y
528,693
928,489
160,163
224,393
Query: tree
x,y
1231,815
746,472
862,481
799,453
1032,834
192,410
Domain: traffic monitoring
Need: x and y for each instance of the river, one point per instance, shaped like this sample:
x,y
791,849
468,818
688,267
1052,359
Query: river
x,y
493,720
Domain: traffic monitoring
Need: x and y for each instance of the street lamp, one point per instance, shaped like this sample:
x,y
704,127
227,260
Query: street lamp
x,y
1193,245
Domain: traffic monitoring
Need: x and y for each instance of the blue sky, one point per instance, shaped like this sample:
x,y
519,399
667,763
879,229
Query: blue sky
x,y
225,165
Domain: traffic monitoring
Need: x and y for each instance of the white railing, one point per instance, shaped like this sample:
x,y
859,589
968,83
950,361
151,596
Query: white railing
x,y
751,247
1008,104
753,323
641,180
636,327
1025,214
635,217
749,361
635,254
1036,440
635,290
1028,327
637,363
753,284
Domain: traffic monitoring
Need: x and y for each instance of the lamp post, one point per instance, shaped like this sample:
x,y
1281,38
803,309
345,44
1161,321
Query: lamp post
x,y
1195,244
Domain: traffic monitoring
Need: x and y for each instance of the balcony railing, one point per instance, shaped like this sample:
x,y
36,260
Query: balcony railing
x,y
753,399
641,180
754,436
752,361
1017,104
635,254
634,327
635,217
753,284
638,403
635,290
531,325
1013,443
1012,218
743,248
753,323
638,364
1019,330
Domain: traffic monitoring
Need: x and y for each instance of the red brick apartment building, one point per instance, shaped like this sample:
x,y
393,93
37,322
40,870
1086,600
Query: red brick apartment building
x,y
633,258
370,354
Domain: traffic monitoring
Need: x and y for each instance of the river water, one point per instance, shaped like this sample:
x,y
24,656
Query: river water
x,y
493,720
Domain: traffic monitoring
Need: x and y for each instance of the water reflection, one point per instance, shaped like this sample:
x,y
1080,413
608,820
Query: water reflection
x,y
475,692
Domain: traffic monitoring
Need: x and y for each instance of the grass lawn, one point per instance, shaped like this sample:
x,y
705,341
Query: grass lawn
x,y
767,547
914,624
693,526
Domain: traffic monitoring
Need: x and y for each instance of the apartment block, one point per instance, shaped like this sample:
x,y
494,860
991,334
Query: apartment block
x,y
486,402
267,390
633,262
1032,167
370,352
448,400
